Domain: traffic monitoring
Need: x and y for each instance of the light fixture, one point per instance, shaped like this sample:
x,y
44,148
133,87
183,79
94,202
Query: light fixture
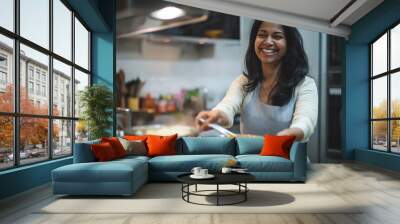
x,y
167,13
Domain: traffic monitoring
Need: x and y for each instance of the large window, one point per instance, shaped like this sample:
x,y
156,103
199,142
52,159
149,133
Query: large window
x,y
44,64
385,91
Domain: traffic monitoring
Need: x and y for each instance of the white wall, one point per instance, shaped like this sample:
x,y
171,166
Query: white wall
x,y
178,66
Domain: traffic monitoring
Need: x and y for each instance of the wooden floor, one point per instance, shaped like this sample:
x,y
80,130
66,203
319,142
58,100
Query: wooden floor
x,y
378,188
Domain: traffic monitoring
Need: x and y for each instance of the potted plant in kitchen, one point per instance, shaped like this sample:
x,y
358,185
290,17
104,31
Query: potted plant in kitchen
x,y
96,103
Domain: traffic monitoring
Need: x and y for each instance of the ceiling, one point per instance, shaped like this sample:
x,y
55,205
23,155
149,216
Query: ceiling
x,y
134,20
328,16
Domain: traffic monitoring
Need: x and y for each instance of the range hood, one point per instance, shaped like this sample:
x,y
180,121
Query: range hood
x,y
135,20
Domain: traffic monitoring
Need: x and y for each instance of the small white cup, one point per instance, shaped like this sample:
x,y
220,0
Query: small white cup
x,y
226,170
196,170
203,172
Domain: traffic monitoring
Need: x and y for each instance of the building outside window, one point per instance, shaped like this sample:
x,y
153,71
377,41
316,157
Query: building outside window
x,y
37,74
43,90
385,91
56,127
38,89
30,72
3,77
30,87
3,71
43,77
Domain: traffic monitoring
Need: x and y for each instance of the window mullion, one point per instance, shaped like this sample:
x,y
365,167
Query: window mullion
x,y
16,84
73,82
389,106
50,81
371,89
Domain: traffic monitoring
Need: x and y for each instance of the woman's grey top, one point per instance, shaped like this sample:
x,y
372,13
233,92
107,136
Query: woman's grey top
x,y
259,118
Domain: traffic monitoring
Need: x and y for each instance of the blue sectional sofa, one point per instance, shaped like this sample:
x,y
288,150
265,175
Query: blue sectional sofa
x,y
125,176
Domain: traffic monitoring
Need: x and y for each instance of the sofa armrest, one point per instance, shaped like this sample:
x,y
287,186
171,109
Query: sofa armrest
x,y
83,152
298,155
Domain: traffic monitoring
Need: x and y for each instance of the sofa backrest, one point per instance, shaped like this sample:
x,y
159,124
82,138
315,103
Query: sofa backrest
x,y
83,152
205,145
249,145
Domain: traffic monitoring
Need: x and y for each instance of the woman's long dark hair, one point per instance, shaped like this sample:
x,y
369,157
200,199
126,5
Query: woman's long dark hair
x,y
293,68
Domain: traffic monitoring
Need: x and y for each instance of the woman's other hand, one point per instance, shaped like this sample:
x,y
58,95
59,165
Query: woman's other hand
x,y
207,117
292,131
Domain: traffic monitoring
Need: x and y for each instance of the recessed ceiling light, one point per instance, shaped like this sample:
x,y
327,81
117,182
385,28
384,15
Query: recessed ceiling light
x,y
167,13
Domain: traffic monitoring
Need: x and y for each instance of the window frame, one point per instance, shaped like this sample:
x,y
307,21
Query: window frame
x,y
388,74
16,115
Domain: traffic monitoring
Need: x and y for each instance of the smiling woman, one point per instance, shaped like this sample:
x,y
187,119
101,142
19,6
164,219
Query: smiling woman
x,y
274,95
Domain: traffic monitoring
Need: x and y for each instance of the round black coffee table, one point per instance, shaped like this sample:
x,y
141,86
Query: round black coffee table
x,y
238,179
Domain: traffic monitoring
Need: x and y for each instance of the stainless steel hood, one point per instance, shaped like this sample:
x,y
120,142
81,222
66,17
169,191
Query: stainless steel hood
x,y
133,17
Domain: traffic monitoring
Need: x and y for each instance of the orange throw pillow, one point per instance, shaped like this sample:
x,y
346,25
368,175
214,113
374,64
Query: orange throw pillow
x,y
277,146
116,145
161,145
103,152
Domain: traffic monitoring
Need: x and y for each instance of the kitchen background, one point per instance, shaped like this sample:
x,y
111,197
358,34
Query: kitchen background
x,y
174,61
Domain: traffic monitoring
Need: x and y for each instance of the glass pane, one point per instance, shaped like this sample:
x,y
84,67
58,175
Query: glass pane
x,y
379,97
81,131
7,14
34,97
35,21
395,94
81,45
6,142
379,135
81,81
62,29
33,139
62,89
395,47
6,74
379,55
395,129
62,138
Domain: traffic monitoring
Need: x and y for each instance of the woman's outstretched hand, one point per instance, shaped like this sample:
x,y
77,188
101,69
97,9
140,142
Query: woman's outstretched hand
x,y
207,117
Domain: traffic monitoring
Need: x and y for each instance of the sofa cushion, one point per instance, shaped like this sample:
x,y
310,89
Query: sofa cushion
x,y
257,163
112,171
185,163
249,145
206,145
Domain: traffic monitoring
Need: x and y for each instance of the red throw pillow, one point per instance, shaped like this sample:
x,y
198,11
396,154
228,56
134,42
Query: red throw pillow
x,y
103,152
161,145
116,145
135,137
277,145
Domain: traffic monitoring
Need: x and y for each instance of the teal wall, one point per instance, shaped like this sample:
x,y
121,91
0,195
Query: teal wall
x,y
24,178
99,15
103,52
356,86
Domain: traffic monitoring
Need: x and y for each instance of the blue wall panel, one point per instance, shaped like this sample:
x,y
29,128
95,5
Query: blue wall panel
x,y
356,99
24,178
